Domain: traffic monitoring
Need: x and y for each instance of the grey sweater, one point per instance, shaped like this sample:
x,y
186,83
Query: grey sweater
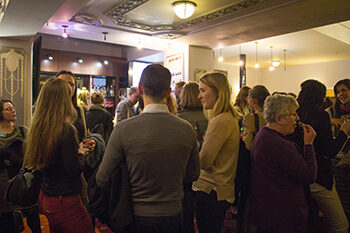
x,y
161,153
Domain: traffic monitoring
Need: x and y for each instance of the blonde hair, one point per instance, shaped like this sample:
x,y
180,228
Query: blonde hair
x,y
54,113
189,96
171,103
219,83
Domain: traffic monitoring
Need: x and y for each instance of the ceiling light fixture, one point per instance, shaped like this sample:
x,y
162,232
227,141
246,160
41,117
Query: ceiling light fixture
x,y
139,44
274,63
184,9
64,34
240,63
271,68
106,62
285,59
105,35
256,56
79,59
220,59
49,57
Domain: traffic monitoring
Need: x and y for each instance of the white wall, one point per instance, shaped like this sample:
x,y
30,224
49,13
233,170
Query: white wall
x,y
199,58
289,81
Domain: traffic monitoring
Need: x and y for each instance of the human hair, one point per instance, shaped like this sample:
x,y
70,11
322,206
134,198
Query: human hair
x,y
74,97
133,90
180,84
54,113
189,96
241,98
337,104
155,81
260,93
311,97
83,97
171,103
97,98
219,83
2,103
278,106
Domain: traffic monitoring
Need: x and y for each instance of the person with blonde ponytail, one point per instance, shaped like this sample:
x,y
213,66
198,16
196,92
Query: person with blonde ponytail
x,y
219,154
52,148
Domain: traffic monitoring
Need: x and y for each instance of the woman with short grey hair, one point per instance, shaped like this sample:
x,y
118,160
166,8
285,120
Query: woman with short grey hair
x,y
278,106
279,172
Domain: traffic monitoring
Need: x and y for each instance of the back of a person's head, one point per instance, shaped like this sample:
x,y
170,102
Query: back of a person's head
x,y
97,98
180,84
133,90
189,96
241,98
260,93
219,84
311,96
155,81
53,112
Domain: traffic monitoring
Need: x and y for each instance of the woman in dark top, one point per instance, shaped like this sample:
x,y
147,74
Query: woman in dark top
x,y
11,157
279,172
339,112
52,148
311,99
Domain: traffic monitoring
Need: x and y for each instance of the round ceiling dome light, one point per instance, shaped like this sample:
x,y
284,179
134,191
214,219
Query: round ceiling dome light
x,y
184,9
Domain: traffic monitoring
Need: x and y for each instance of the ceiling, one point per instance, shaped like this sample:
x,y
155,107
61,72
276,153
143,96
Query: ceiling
x,y
215,24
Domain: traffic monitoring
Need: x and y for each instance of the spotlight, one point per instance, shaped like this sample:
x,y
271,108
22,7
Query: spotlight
x,y
79,59
240,63
106,62
221,59
65,34
49,57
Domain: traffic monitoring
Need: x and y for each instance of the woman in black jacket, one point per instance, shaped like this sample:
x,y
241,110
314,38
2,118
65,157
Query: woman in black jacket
x,y
311,111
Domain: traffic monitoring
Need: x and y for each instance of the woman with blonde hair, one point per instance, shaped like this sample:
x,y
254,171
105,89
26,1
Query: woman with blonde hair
x,y
52,148
219,154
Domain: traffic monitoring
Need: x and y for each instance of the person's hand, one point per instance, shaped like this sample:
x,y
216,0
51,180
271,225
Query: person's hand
x,y
345,127
336,121
82,150
89,144
309,134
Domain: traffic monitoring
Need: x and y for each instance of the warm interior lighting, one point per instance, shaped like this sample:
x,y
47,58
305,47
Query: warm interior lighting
x,y
49,57
64,34
271,68
79,59
106,62
240,63
184,9
256,56
276,63
220,59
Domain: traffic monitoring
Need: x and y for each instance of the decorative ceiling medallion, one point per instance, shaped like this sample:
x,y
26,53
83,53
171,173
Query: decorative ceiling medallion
x,y
169,35
118,14
86,18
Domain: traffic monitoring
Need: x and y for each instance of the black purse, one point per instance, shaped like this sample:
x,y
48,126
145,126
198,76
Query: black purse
x,y
24,188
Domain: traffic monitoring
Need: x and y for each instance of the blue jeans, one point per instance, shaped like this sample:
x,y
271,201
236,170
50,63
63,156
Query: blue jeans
x,y
210,213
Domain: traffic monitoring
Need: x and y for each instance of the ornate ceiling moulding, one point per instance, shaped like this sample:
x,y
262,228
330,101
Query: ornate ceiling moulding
x,y
86,18
118,14
169,35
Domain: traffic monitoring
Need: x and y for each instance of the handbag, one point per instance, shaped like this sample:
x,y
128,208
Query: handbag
x,y
24,188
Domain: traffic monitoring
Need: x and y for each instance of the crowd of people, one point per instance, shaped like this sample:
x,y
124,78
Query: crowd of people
x,y
280,162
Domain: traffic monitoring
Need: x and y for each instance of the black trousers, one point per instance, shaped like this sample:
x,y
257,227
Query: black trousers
x,y
210,213
168,224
